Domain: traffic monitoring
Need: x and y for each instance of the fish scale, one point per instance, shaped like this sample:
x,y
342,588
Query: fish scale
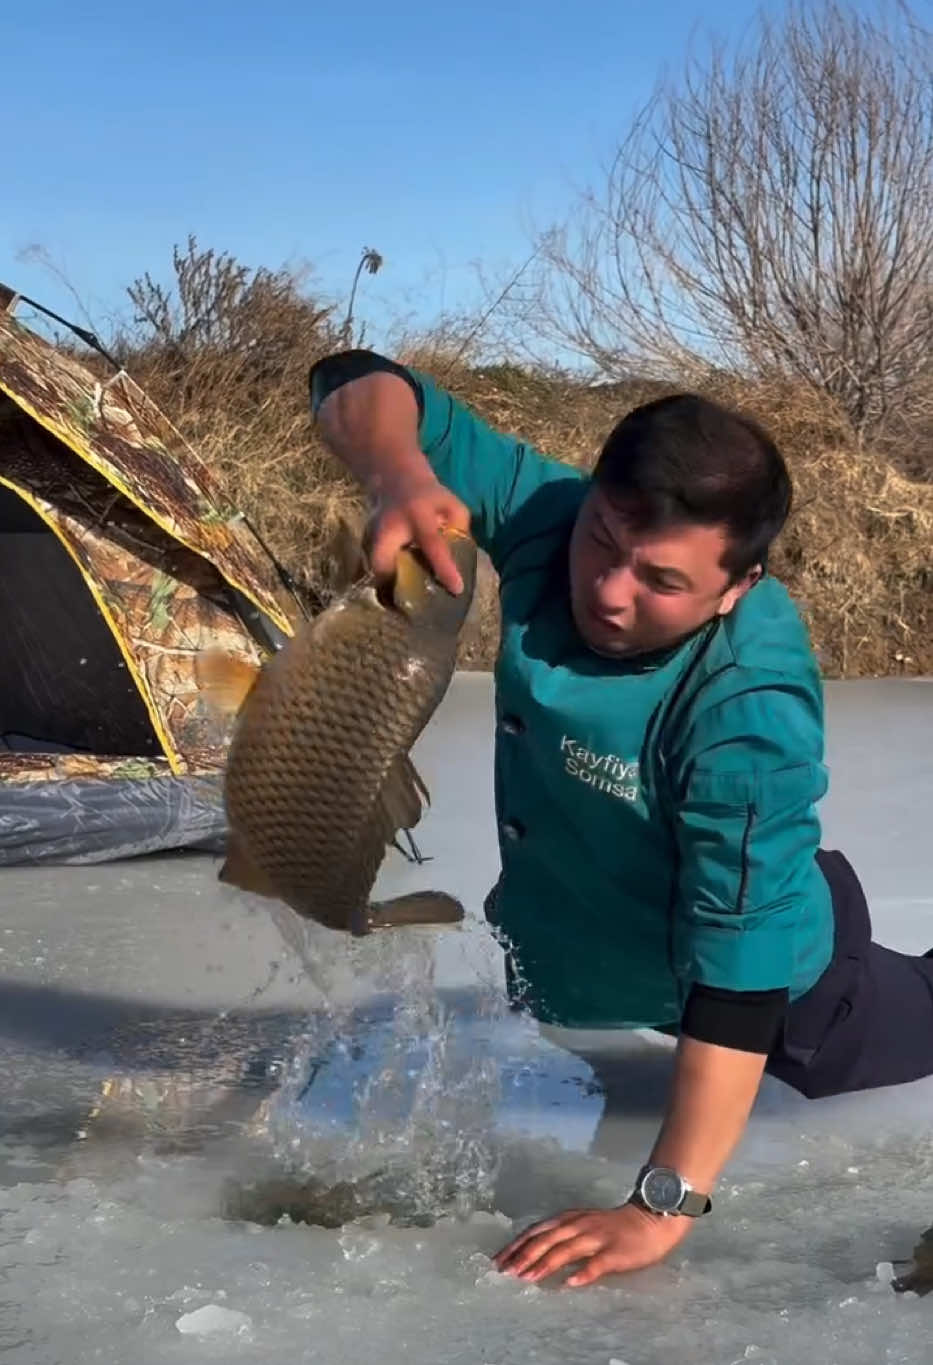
x,y
345,767
318,780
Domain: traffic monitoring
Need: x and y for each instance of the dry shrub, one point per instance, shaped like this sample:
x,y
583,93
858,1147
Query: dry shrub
x,y
856,552
226,355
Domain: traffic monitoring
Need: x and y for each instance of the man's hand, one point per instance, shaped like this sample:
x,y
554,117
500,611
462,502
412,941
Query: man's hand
x,y
712,1092
606,1241
371,425
412,511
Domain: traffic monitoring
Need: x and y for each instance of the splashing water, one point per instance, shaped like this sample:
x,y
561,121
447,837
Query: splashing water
x,y
399,1107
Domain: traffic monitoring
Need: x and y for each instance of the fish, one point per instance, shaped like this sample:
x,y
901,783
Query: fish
x,y
916,1276
318,781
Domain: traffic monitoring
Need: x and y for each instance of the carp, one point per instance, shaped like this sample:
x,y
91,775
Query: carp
x,y
318,781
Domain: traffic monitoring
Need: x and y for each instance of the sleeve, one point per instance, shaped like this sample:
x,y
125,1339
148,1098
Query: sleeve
x,y
746,1020
747,833
494,475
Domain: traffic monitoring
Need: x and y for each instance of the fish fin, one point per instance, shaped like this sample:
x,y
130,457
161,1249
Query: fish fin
x,y
224,680
418,907
403,797
417,779
908,1279
239,870
413,853
347,550
916,1276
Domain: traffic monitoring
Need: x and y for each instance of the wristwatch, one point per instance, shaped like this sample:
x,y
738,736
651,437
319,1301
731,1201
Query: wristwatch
x,y
663,1190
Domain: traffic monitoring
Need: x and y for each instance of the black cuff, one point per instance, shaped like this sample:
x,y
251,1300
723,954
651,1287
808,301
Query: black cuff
x,y
747,1020
331,371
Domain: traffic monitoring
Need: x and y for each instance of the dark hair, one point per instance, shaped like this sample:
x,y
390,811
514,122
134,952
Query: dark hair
x,y
687,459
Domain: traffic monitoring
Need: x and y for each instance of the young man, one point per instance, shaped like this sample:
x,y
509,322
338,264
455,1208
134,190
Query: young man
x,y
659,757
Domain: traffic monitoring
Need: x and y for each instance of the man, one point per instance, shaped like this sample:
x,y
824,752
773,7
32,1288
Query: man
x,y
659,757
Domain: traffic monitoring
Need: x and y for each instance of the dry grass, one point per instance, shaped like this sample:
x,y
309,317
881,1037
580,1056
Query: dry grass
x,y
856,553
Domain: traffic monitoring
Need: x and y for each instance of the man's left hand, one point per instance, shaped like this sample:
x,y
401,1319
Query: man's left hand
x,y
606,1241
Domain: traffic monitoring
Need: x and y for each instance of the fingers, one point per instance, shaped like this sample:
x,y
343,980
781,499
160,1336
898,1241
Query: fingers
x,y
510,1255
436,550
419,520
547,1247
535,1230
389,534
574,1247
552,1248
603,1263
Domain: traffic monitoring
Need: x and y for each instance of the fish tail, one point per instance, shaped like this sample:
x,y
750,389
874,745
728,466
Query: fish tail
x,y
224,681
419,907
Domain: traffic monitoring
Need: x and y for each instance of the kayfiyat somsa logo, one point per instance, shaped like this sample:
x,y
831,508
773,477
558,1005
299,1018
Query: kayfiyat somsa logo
x,y
607,773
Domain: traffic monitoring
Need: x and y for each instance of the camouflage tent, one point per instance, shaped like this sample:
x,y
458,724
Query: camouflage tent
x,y
121,564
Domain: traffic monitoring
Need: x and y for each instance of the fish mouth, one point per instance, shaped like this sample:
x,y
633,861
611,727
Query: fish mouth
x,y
417,593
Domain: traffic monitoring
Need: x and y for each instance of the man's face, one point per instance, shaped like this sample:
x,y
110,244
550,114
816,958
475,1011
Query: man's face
x,y
633,592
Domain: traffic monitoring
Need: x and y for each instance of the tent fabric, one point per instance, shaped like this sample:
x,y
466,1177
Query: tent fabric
x,y
52,629
162,604
121,564
117,430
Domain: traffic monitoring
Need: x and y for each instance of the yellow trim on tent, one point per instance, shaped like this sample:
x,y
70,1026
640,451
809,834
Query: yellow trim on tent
x,y
175,762
87,455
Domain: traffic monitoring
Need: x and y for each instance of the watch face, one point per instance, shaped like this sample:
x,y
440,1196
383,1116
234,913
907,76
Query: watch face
x,y
662,1189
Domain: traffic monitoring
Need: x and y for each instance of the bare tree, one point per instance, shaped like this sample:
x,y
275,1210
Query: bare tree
x,y
772,211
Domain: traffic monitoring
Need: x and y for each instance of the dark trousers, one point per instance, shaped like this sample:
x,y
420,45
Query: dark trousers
x,y
868,1021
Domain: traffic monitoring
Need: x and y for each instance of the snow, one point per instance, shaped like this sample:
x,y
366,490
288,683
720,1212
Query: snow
x,y
395,1078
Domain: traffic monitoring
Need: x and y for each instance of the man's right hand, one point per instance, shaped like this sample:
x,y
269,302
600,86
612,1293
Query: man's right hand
x,y
371,425
413,511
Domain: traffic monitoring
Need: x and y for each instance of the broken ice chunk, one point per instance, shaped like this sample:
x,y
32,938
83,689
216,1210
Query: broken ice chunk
x,y
213,1318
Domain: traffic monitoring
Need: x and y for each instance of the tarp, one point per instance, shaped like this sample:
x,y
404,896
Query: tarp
x,y
98,818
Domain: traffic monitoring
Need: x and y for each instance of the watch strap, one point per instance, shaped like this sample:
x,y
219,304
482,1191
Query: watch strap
x,y
694,1204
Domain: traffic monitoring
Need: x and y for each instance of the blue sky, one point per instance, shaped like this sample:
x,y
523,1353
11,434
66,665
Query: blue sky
x,y
284,132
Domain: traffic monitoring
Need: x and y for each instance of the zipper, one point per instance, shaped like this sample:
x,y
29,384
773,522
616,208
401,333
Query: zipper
x,y
746,838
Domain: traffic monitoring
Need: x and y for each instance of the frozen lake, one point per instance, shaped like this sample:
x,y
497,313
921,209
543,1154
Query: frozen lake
x,y
134,1233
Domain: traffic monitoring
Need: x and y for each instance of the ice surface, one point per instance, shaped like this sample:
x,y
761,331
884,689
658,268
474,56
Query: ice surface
x,y
447,1122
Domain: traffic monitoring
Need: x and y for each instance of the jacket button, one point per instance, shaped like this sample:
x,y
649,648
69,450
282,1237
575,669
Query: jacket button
x,y
512,725
513,830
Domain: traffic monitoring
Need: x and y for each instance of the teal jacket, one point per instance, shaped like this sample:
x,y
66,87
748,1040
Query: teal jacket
x,y
657,817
